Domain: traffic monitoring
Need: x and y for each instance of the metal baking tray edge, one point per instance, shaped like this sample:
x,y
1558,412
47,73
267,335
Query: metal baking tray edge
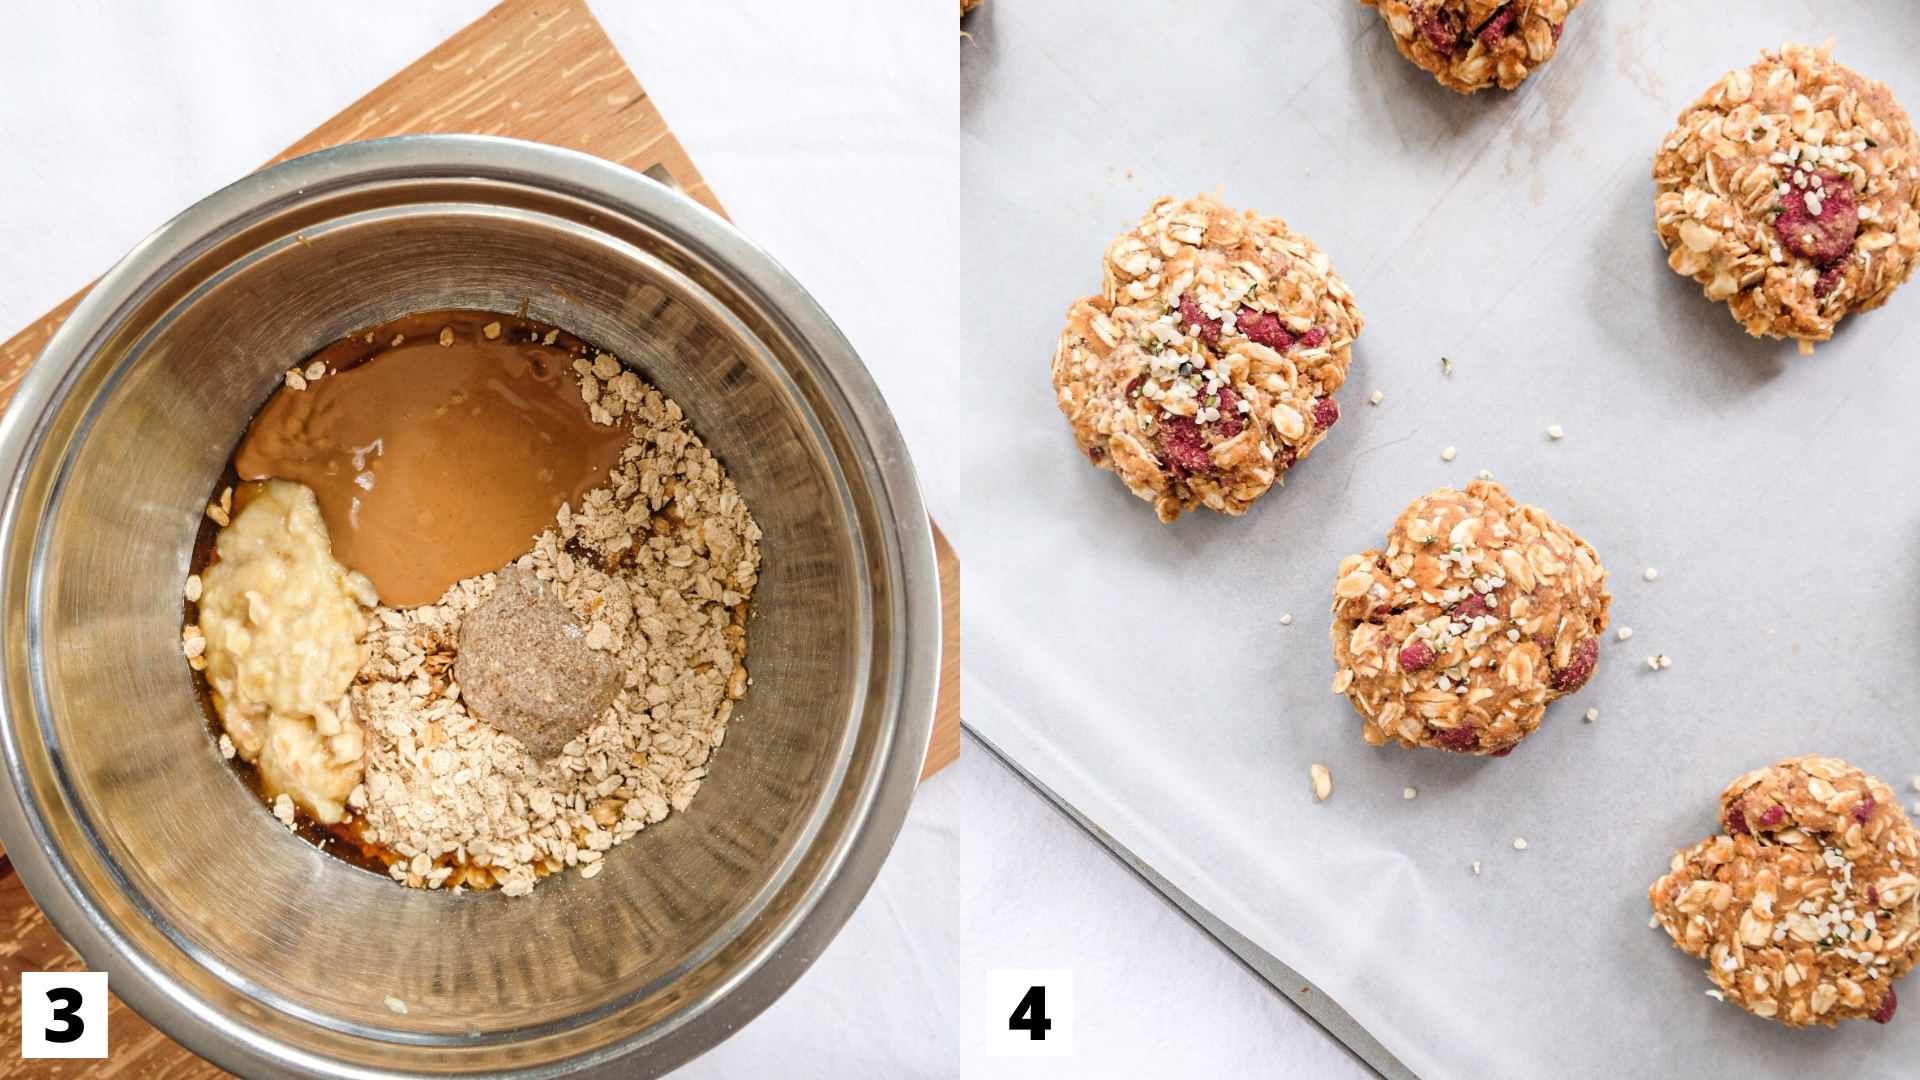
x,y
1298,991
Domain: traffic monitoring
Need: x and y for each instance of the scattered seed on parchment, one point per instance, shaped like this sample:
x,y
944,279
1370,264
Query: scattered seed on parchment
x,y
1716,995
1652,573
1916,783
1624,633
1375,399
1653,922
1448,454
1592,715
395,1005
1476,867
1446,366
1659,660
1408,793
1485,475
1555,432
1322,781
1520,844
1286,620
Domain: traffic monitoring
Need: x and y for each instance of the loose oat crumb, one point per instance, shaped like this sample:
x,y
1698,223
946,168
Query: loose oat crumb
x,y
1408,793
193,588
283,809
1665,660
398,340
552,335
1448,454
1485,475
295,380
1476,867
1716,995
315,371
446,336
226,746
1592,715
395,1005
491,330
1916,783
1653,922
1624,633
1446,366
1916,808
1652,573
1375,399
1286,620
1555,431
1322,781
1520,844
592,869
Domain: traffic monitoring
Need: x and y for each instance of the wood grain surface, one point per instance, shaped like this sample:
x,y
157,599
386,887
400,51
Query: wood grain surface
x,y
529,69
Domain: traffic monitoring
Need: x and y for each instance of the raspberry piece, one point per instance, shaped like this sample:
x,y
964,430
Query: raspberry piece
x,y
1497,27
1096,455
1459,740
1194,317
1382,611
1863,810
1736,822
1503,751
1886,1008
1231,423
1439,35
1472,607
1184,446
1830,276
1416,655
1313,337
1557,28
1873,896
1325,412
1580,668
1824,238
1263,327
1772,816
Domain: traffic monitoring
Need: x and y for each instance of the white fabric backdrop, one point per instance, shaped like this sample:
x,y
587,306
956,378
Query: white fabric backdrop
x,y
827,129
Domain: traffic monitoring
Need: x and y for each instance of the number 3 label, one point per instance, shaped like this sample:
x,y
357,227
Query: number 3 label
x,y
63,1014
1029,1013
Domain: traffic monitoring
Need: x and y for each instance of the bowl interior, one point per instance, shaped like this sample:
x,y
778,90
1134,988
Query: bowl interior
x,y
258,924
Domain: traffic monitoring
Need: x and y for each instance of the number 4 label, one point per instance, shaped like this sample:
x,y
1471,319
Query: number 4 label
x,y
63,1014
1029,1013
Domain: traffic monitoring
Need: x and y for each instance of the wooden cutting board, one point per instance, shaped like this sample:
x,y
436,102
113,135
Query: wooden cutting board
x,y
529,69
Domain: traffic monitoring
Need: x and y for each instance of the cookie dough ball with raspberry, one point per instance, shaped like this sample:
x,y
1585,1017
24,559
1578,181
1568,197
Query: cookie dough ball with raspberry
x,y
1478,613
1472,44
1791,190
1807,908
1206,366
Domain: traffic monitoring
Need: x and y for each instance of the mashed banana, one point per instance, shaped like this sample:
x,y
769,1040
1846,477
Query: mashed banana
x,y
283,624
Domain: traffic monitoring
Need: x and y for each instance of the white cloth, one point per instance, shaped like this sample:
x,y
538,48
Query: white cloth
x,y
826,128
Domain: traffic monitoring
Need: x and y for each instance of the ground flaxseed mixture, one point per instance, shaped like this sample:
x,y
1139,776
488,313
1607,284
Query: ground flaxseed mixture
x,y
657,564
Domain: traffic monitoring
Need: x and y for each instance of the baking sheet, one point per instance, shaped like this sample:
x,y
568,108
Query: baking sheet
x,y
1142,672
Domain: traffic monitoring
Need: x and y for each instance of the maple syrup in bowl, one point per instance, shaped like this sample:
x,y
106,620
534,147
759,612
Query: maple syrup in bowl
x,y
250,945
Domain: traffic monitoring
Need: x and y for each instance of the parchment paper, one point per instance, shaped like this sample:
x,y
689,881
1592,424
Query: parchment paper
x,y
1142,670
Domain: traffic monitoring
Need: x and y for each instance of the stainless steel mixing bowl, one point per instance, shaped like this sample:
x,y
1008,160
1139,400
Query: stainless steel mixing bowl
x,y
269,957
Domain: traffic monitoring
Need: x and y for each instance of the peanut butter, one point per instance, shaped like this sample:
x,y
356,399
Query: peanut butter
x,y
439,445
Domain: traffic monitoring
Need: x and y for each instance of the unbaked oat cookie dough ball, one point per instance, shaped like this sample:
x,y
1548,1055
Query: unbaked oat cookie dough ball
x,y
1207,364
1791,190
1807,908
1473,44
1479,612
